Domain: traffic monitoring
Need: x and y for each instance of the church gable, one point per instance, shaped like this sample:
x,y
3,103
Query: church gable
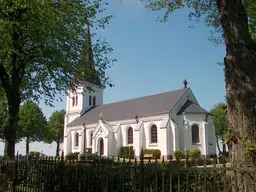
x,y
182,101
103,128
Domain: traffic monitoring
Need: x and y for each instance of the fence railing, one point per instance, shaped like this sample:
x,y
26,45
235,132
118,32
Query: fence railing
x,y
114,175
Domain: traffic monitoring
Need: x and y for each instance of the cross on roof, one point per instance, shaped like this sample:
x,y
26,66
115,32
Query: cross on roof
x,y
101,114
185,83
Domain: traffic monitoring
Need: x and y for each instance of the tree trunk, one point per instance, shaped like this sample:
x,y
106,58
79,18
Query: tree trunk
x,y
27,145
11,128
240,76
11,80
58,148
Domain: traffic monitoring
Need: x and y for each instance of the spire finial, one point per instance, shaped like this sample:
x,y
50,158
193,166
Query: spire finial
x,y
185,84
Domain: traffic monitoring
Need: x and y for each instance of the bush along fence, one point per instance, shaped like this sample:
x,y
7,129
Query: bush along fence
x,y
45,174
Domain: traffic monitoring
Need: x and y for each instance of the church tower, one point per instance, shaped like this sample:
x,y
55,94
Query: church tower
x,y
90,93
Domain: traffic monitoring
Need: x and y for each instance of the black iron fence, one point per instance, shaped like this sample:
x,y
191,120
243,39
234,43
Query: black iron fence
x,y
114,175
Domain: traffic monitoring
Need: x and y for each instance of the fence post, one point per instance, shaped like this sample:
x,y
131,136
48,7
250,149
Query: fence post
x,y
141,170
15,173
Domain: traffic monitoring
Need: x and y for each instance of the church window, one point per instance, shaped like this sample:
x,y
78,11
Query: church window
x,y
94,101
130,135
91,138
76,139
90,100
153,134
73,101
76,99
195,134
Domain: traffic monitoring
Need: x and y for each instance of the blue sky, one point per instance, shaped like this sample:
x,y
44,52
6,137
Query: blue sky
x,y
155,57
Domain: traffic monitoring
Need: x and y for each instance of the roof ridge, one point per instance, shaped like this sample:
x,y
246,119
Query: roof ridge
x,y
135,98
141,106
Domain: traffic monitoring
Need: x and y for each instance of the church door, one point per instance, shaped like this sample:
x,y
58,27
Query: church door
x,y
101,146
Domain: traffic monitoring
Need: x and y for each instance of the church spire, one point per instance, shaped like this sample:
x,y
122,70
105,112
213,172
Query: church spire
x,y
90,73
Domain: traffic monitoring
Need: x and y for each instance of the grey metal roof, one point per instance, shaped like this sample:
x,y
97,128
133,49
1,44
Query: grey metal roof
x,y
128,109
191,107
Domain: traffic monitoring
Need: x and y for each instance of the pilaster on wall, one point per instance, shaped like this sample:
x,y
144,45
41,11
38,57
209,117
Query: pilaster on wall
x,y
205,134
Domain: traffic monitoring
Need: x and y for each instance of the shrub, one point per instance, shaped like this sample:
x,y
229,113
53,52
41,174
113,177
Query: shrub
x,y
36,154
90,157
156,153
194,154
177,154
72,156
127,152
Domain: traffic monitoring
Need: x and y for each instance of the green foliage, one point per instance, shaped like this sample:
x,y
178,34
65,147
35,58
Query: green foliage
x,y
89,156
206,10
50,52
36,154
41,50
55,128
72,156
177,154
127,152
194,154
156,153
251,147
32,122
220,120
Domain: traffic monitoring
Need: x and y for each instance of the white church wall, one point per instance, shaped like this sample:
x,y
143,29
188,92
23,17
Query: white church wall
x,y
170,138
78,107
191,120
98,93
161,137
179,119
137,141
112,150
179,132
119,140
76,148
71,117
124,131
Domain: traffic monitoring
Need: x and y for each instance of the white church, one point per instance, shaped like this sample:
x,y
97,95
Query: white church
x,y
166,121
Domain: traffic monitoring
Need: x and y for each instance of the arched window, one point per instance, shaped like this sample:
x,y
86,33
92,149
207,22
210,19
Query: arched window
x,y
73,101
153,134
94,101
91,138
76,140
90,100
195,134
130,135
76,99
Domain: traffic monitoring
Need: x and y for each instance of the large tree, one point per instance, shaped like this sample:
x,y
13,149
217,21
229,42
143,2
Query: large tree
x,y
40,49
55,129
234,21
220,120
32,124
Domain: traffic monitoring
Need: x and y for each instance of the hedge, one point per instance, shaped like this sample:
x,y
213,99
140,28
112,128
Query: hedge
x,y
156,153
127,152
